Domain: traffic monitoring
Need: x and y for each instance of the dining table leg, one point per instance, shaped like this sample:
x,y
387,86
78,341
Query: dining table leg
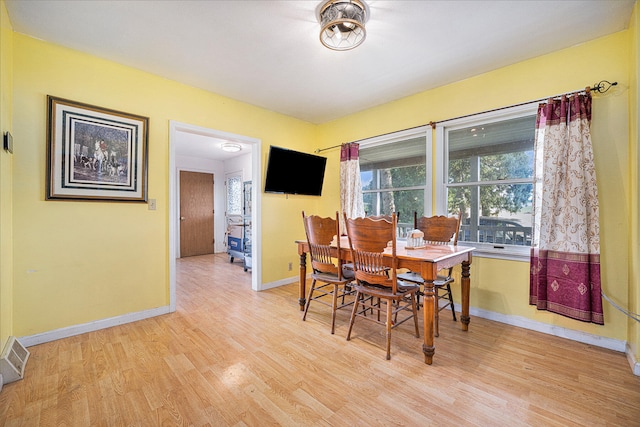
x,y
465,285
428,309
302,291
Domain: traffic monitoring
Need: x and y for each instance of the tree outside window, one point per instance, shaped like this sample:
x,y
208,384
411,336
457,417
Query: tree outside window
x,y
490,179
393,179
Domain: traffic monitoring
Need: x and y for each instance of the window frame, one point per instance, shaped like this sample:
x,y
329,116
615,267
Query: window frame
x,y
425,131
488,250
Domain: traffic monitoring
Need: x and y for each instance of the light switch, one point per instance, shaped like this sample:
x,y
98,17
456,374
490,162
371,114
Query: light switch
x,y
152,204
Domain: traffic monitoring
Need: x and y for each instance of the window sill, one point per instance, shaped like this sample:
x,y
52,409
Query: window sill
x,y
511,253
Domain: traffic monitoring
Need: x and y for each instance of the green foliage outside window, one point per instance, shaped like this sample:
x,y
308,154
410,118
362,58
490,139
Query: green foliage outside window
x,y
397,199
494,199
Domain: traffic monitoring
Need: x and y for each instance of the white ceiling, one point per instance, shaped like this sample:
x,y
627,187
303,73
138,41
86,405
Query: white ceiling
x,y
268,53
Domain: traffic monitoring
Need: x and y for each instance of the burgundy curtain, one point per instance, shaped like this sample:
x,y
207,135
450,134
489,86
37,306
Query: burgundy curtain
x,y
565,257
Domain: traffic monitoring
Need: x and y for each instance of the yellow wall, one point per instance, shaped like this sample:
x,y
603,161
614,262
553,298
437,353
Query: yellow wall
x,y
6,176
503,286
634,179
76,262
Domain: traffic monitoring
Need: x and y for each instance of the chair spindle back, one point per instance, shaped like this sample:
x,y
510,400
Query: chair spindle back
x,y
439,230
320,233
368,239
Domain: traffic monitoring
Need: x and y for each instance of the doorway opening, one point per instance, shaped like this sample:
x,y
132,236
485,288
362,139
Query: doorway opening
x,y
211,140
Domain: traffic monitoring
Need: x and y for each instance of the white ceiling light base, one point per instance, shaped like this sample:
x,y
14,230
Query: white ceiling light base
x,y
231,147
342,23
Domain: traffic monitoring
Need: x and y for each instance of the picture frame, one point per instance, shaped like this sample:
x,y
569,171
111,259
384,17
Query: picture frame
x,y
94,153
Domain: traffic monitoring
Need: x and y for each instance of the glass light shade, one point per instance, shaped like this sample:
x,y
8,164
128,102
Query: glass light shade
x,y
231,147
342,23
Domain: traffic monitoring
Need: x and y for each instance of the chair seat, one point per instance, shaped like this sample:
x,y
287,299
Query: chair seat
x,y
347,271
417,278
385,292
330,278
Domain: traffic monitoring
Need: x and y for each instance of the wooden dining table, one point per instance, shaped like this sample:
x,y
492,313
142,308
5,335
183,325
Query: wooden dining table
x,y
427,261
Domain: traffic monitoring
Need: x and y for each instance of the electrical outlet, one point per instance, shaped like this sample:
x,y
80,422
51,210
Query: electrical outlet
x,y
152,204
290,266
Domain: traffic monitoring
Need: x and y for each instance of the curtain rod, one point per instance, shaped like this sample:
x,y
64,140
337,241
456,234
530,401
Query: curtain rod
x,y
600,87
318,150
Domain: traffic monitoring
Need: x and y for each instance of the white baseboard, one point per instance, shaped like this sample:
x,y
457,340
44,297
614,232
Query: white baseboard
x,y
583,337
70,331
522,322
282,282
635,365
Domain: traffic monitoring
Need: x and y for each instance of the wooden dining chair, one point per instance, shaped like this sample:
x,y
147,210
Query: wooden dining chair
x,y
349,266
327,270
438,230
375,275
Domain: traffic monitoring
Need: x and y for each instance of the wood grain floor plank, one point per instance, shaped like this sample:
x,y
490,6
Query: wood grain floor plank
x,y
233,357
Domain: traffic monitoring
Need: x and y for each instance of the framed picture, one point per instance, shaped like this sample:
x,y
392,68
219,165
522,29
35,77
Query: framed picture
x,y
95,154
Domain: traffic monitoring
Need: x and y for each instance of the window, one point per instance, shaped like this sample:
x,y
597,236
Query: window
x,y
484,167
487,173
234,194
395,177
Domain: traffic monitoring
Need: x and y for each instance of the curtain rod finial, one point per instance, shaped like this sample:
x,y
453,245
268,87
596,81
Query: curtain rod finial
x,y
603,86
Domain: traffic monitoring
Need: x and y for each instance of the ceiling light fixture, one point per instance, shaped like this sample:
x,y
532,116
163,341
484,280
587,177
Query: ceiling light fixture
x,y
231,147
342,23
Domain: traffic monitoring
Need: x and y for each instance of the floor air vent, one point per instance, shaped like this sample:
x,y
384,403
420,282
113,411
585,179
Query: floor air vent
x,y
13,361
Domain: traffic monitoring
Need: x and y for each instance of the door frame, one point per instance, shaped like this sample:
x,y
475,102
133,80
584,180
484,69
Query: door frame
x,y
256,222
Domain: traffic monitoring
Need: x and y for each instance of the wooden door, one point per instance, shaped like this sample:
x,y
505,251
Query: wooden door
x,y
196,213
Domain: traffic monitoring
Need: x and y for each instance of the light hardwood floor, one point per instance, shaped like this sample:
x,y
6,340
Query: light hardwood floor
x,y
230,356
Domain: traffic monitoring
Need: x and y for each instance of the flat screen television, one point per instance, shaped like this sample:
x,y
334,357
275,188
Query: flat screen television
x,y
293,172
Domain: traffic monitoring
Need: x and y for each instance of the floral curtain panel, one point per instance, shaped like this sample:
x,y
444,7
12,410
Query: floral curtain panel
x,y
565,257
350,186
